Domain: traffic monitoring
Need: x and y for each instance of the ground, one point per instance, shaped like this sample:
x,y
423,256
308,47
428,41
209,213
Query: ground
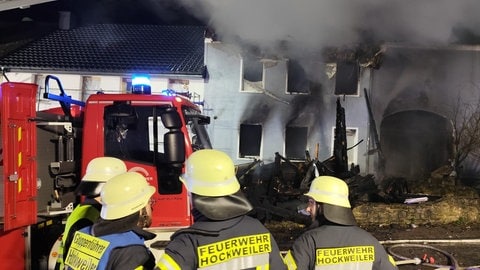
x,y
458,240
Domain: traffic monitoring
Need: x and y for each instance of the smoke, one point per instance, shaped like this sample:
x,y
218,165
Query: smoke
x,y
307,25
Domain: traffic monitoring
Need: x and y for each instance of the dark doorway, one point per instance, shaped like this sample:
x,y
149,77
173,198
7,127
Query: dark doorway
x,y
415,143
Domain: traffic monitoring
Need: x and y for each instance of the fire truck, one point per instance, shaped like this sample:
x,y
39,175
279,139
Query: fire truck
x,y
45,153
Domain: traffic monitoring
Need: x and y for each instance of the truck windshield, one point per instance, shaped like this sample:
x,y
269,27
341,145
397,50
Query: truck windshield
x,y
149,135
153,135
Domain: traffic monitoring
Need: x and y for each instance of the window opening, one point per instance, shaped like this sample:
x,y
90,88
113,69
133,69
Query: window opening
x,y
250,140
346,79
296,142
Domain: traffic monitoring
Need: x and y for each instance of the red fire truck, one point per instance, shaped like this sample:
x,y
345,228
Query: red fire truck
x,y
45,153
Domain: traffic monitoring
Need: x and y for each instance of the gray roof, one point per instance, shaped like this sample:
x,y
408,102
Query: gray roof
x,y
114,49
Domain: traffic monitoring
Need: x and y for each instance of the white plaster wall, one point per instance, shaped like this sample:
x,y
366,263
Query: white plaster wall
x,y
228,108
72,84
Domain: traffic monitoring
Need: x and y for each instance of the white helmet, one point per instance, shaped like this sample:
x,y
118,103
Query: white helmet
x,y
124,195
210,173
99,170
333,193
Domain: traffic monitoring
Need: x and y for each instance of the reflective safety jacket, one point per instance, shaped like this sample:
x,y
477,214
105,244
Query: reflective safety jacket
x,y
238,243
330,247
82,215
90,252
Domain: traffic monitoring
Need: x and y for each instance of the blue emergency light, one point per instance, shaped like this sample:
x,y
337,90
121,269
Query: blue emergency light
x,y
141,84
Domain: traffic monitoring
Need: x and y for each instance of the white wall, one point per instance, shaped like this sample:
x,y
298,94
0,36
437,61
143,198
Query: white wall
x,y
274,109
72,85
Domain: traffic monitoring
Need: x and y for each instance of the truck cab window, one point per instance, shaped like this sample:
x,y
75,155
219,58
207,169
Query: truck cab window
x,y
150,135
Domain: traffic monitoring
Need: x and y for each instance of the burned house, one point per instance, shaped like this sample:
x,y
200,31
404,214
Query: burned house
x,y
400,111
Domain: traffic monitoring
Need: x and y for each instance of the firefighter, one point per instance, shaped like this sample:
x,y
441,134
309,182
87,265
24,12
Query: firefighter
x,y
337,242
99,170
115,240
223,236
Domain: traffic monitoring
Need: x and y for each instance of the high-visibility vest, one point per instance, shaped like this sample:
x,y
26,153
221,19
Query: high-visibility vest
x,y
91,252
86,214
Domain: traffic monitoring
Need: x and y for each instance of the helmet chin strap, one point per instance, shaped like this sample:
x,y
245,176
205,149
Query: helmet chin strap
x,y
318,211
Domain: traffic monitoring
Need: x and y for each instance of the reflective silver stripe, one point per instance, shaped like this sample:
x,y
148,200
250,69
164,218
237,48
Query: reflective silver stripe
x,y
346,266
253,261
330,194
205,184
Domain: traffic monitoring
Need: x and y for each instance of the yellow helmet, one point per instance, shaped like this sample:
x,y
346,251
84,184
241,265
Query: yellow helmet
x,y
329,189
333,193
124,195
99,170
210,173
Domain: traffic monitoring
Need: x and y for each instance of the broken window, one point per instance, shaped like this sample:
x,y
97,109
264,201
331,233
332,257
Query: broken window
x,y
90,85
262,75
352,141
298,82
252,68
295,142
250,140
346,79
178,85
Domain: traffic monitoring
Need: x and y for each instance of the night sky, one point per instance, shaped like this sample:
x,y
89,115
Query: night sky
x,y
273,25
105,11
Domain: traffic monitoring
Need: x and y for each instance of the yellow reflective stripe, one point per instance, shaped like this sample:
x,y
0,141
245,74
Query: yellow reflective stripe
x,y
263,267
167,263
346,266
341,255
243,246
260,261
60,255
139,267
359,257
19,159
391,259
290,261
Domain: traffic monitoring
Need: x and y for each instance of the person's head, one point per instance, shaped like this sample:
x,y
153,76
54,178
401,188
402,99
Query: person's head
x,y
210,178
99,171
124,195
328,197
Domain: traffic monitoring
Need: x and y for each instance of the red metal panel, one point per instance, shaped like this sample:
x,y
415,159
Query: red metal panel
x,y
12,252
18,137
169,209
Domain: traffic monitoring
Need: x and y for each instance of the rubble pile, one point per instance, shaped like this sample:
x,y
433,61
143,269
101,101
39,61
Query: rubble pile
x,y
276,190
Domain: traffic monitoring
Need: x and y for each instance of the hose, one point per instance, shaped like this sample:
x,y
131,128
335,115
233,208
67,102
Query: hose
x,y
452,260
411,243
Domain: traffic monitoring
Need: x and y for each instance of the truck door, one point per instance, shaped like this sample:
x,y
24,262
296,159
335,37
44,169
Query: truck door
x,y
18,151
151,138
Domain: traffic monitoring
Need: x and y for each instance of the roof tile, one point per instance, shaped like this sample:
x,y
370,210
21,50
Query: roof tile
x,y
115,48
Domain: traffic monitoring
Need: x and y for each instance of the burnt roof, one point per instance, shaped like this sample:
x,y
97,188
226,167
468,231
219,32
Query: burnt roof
x,y
114,49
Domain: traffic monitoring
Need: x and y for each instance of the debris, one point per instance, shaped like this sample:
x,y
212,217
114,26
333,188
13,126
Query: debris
x,y
416,200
